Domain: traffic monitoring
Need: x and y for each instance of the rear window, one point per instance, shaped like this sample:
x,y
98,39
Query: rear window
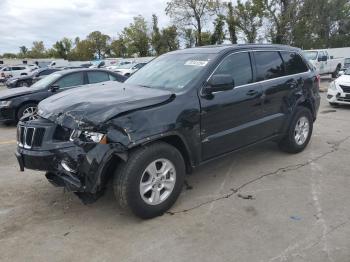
x,y
269,65
97,77
293,63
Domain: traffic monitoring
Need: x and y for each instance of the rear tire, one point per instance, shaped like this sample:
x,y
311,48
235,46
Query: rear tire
x,y
136,185
299,132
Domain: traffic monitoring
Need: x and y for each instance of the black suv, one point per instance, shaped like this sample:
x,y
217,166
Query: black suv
x,y
181,110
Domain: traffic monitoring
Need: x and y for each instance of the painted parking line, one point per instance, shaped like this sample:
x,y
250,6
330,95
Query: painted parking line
x,y
8,142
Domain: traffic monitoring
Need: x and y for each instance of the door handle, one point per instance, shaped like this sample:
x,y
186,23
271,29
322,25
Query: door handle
x,y
252,93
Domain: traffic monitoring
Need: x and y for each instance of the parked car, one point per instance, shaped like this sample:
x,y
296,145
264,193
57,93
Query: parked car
x,y
182,110
19,102
15,71
127,69
25,81
323,62
345,66
339,90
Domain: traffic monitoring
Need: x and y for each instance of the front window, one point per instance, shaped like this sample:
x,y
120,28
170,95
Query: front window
x,y
171,71
46,82
310,55
347,72
347,61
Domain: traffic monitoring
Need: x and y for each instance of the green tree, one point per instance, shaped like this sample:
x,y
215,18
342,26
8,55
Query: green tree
x,y
249,18
231,23
189,37
170,38
156,38
23,51
38,50
99,43
63,48
136,37
206,38
191,13
9,55
218,35
118,48
83,51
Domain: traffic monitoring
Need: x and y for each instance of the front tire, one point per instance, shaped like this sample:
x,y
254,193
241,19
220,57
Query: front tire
x,y
150,181
335,74
333,104
299,132
27,110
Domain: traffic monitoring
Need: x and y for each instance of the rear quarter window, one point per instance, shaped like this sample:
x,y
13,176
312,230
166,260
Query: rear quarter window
x,y
269,65
293,63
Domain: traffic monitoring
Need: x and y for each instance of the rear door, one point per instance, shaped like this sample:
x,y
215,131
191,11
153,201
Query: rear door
x,y
229,119
281,78
270,72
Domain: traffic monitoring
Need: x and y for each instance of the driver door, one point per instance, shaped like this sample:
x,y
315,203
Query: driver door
x,y
229,118
69,81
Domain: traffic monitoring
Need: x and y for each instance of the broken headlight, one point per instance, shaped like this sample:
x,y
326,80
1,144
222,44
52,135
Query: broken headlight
x,y
87,136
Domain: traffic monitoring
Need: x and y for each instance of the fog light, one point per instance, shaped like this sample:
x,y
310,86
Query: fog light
x,y
66,167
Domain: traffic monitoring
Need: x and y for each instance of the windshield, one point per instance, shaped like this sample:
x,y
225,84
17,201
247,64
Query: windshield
x,y
45,82
310,55
171,71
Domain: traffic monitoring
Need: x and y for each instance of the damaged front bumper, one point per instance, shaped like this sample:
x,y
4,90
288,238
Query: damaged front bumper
x,y
78,166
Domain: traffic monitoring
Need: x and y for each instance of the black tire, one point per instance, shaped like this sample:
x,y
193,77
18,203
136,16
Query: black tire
x,y
23,108
128,175
335,74
23,84
289,143
333,104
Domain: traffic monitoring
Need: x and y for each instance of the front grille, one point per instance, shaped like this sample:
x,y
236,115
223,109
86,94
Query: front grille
x,y
62,133
29,137
346,89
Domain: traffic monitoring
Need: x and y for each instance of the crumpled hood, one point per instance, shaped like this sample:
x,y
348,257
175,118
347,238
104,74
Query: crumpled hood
x,y
90,106
11,93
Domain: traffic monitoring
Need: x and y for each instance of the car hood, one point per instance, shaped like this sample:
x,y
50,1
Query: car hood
x,y
11,93
90,107
344,79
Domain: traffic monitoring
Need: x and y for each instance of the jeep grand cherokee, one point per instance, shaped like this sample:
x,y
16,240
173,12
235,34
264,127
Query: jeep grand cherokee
x,y
181,110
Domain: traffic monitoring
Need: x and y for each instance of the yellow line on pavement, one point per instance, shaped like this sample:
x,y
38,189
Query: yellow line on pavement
x,y
9,142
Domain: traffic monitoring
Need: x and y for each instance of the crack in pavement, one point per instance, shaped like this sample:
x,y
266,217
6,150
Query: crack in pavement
x,y
233,191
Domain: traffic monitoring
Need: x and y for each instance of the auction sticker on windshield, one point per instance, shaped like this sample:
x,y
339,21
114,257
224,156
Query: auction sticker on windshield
x,y
196,63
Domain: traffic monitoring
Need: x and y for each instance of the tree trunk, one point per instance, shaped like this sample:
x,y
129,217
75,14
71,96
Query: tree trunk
x,y
199,32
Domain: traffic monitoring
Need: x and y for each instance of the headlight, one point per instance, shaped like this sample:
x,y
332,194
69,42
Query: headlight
x,y
90,137
5,103
332,86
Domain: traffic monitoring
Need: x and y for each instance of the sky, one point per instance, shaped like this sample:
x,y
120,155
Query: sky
x,y
25,21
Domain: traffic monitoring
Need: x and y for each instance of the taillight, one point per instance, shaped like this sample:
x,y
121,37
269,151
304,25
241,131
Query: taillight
x,y
2,74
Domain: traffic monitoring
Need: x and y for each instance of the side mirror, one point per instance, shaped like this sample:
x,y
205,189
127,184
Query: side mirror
x,y
54,88
222,82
